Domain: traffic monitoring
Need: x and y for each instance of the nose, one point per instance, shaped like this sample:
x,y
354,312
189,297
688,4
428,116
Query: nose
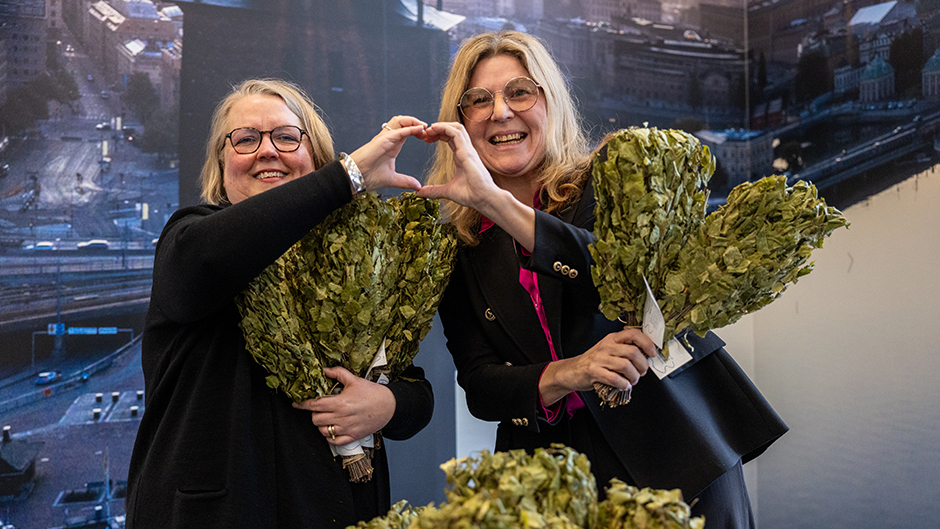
x,y
501,110
267,148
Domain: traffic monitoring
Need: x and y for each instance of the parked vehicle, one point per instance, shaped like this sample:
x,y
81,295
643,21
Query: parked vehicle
x,y
48,377
41,245
93,244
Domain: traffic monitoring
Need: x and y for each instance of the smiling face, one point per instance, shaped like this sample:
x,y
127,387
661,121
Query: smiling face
x,y
246,175
510,144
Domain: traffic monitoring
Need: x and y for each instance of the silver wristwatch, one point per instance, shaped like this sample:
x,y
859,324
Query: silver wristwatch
x,y
355,175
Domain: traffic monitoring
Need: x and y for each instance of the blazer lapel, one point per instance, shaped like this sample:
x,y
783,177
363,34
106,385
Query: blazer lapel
x,y
496,272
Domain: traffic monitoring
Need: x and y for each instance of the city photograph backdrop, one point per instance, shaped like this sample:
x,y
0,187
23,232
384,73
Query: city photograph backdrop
x,y
105,107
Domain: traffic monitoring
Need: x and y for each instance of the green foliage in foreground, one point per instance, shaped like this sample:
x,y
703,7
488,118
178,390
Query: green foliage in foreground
x,y
551,488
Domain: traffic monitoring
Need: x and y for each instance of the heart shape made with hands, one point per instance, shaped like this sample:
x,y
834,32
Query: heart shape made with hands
x,y
704,270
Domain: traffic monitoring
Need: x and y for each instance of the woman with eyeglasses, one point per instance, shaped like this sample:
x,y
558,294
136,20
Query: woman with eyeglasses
x,y
217,447
521,314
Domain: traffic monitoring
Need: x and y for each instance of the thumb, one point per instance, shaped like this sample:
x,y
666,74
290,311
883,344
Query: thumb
x,y
431,191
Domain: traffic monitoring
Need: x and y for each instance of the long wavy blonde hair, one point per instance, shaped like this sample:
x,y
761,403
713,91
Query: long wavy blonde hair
x,y
211,178
567,155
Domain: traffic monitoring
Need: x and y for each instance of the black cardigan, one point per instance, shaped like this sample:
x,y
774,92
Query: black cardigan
x,y
680,432
216,447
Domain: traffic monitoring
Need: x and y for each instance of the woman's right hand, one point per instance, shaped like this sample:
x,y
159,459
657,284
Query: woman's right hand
x,y
618,360
376,159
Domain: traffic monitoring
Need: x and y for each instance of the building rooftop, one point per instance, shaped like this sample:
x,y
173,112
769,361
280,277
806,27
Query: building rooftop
x,y
172,11
135,46
17,454
142,9
441,20
872,14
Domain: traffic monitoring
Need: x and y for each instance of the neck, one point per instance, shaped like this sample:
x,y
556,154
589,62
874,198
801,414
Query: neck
x,y
522,188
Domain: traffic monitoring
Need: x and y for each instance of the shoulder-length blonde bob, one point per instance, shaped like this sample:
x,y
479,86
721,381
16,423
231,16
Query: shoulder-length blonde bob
x,y
567,156
211,178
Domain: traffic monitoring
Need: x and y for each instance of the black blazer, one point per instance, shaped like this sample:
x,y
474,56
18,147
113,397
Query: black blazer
x,y
680,432
217,447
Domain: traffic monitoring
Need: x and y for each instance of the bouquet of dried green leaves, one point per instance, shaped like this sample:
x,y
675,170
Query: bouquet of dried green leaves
x,y
551,488
366,280
628,507
704,272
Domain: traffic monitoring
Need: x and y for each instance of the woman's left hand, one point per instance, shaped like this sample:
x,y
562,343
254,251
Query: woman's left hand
x,y
471,186
376,159
363,408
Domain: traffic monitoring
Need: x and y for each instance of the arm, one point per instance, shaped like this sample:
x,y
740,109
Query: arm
x,y
565,242
207,255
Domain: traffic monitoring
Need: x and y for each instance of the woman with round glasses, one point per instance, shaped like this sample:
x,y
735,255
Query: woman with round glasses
x,y
521,315
217,447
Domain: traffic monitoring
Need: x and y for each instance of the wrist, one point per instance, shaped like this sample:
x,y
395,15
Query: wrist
x,y
550,389
356,181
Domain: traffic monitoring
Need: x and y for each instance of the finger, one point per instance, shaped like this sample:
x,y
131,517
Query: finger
x,y
340,374
434,134
402,133
405,182
307,405
434,191
630,372
637,338
445,129
333,435
317,406
619,377
405,121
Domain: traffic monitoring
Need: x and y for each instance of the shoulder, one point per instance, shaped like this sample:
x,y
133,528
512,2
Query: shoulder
x,y
201,210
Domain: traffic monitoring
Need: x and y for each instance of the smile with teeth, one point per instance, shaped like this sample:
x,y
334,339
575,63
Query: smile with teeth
x,y
269,174
508,138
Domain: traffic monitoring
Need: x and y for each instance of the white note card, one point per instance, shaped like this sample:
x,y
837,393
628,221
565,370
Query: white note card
x,y
678,356
654,325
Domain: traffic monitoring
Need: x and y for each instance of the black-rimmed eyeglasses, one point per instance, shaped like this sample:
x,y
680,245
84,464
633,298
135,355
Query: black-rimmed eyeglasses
x,y
520,94
246,140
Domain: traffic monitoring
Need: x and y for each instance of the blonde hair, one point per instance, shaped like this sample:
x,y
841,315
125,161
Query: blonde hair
x,y
564,169
211,178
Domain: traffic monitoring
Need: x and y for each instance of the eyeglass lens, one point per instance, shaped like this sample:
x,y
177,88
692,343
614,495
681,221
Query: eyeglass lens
x,y
520,94
286,138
